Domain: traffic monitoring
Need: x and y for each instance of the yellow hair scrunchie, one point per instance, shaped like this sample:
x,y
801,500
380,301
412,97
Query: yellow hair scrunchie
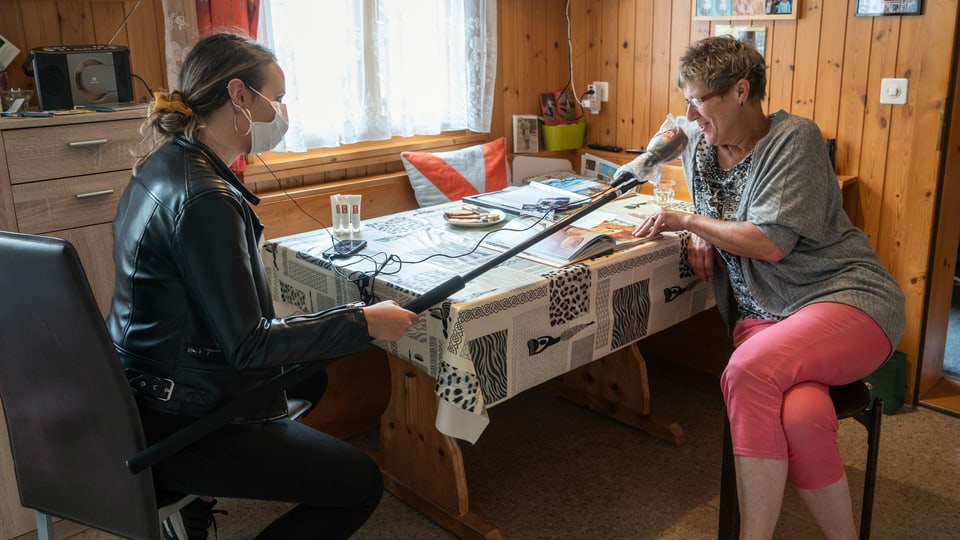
x,y
173,103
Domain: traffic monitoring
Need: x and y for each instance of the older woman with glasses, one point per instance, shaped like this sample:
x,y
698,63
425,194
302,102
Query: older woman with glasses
x,y
803,293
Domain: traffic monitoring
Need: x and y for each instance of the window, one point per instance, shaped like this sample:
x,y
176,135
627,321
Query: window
x,y
362,70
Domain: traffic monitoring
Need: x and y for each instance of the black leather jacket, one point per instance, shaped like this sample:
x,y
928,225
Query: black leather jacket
x,y
192,303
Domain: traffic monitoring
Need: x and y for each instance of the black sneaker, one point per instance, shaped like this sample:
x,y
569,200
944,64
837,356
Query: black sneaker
x,y
197,518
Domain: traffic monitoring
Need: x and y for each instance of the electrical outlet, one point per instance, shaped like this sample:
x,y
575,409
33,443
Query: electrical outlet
x,y
603,90
893,91
592,101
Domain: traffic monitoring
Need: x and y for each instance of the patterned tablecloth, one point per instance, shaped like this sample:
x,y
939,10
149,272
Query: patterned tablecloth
x,y
509,329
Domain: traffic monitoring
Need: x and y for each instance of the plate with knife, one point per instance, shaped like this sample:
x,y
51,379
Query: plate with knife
x,y
470,215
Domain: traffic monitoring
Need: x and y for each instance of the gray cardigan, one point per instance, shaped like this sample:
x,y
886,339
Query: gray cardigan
x,y
792,196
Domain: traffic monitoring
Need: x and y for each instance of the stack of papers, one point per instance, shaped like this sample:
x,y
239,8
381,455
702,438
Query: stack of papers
x,y
542,192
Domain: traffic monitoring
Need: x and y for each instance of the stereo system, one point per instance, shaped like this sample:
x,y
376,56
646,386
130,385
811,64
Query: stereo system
x,y
67,76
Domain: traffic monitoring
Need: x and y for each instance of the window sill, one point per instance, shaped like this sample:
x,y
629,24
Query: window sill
x,y
322,160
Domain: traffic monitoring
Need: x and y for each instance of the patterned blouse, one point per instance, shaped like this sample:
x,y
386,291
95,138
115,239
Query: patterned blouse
x,y
718,193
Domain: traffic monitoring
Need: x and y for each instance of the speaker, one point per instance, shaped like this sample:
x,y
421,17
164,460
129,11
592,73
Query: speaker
x,y
67,76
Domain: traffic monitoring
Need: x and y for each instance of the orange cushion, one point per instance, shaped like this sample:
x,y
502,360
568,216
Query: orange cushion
x,y
439,177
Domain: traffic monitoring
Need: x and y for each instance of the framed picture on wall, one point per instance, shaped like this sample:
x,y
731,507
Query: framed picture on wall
x,y
876,8
526,133
753,35
730,10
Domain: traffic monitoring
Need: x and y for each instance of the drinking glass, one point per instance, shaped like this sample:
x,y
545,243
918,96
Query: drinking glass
x,y
663,192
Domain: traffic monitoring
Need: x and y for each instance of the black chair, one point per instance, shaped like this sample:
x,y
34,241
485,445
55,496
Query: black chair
x,y
850,401
71,418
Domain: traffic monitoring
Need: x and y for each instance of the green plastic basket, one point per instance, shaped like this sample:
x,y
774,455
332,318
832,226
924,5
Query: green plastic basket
x,y
564,136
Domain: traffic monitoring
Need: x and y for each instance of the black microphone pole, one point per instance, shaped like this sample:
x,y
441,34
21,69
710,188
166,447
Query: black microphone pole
x,y
454,284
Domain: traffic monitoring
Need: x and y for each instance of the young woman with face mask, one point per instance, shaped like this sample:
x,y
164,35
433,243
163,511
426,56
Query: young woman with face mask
x,y
192,316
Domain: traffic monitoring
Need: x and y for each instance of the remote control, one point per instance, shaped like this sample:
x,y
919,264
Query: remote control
x,y
605,147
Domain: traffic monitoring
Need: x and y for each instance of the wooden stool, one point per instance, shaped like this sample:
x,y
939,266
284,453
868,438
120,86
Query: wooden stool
x,y
850,401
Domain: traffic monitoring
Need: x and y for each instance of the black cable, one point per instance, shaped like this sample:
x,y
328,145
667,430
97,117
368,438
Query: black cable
x,y
145,85
362,280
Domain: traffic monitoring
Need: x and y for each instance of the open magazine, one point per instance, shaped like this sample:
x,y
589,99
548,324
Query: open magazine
x,y
557,190
569,245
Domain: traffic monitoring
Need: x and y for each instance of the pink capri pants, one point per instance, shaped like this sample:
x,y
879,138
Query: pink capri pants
x,y
775,386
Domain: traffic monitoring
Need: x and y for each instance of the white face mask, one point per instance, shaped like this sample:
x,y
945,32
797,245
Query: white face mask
x,y
265,136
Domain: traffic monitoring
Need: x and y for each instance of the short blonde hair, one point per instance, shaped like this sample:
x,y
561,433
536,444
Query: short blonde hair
x,y
721,61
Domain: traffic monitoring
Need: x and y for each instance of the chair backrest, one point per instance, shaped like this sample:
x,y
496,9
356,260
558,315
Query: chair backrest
x,y
525,167
71,418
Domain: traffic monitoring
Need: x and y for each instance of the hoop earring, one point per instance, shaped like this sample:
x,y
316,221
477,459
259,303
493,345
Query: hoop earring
x,y
246,114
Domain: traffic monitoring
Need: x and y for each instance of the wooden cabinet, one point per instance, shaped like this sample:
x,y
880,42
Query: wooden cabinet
x,y
63,177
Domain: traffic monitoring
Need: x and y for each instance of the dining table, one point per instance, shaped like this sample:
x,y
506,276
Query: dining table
x,y
521,324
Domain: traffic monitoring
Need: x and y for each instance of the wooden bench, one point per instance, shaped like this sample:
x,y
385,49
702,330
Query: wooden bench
x,y
302,209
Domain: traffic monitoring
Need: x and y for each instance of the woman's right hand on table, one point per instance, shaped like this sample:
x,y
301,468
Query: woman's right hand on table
x,y
388,321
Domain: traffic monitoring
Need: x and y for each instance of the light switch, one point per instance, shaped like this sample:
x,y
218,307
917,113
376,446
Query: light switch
x,y
893,91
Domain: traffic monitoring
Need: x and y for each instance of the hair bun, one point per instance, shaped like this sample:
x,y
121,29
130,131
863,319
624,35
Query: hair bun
x,y
172,102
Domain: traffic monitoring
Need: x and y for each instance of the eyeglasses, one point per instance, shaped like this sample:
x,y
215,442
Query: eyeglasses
x,y
697,102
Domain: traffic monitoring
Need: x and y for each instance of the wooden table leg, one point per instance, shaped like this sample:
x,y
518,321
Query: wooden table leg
x,y
617,386
420,465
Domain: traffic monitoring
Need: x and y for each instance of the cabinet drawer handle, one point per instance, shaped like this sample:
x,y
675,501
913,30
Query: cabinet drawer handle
x,y
95,194
91,142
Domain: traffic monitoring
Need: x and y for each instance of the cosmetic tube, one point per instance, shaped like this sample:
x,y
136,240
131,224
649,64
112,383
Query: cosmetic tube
x,y
337,214
353,212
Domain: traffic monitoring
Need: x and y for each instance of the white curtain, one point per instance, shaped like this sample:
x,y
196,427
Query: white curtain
x,y
361,70
180,34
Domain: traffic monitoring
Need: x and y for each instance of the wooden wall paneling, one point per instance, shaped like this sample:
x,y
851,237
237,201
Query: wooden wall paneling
x,y
630,83
643,93
806,58
76,22
681,35
587,37
147,58
577,47
106,18
852,105
607,47
781,69
534,56
662,80
876,126
511,49
549,67
833,27
896,207
40,23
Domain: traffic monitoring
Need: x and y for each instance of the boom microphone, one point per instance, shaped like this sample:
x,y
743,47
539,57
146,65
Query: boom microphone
x,y
666,145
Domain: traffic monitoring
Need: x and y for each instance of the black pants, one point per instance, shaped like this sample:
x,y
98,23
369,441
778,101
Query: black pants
x,y
336,486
